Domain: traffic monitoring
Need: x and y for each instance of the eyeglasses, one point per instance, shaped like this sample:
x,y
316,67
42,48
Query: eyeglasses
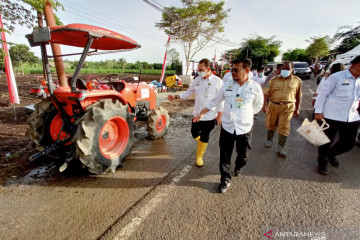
x,y
236,70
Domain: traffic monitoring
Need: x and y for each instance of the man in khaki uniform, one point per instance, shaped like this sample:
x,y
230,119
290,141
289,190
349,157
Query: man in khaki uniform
x,y
282,97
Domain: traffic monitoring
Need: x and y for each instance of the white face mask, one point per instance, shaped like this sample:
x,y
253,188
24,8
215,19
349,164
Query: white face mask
x,y
202,74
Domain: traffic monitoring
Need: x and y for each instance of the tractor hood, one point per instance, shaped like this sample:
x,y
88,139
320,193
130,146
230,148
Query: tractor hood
x,y
76,35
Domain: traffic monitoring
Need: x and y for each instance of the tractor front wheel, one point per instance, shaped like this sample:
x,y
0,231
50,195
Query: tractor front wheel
x,y
104,136
158,123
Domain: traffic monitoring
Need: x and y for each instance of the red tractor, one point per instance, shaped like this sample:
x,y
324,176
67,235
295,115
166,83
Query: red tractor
x,y
86,121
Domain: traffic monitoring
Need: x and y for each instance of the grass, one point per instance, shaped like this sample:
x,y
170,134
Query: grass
x,y
34,70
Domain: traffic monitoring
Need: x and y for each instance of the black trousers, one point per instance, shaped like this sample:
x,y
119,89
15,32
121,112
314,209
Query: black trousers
x,y
202,129
226,142
347,138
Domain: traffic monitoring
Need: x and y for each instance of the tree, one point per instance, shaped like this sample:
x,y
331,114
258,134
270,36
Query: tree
x,y
319,47
138,65
349,38
194,25
2,59
296,55
15,13
121,63
20,54
261,50
157,65
173,58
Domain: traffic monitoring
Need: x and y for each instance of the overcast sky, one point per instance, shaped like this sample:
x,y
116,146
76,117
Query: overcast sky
x,y
293,22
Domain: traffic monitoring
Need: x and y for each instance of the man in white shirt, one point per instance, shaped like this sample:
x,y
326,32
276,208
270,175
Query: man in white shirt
x,y
243,98
205,87
260,78
228,76
338,102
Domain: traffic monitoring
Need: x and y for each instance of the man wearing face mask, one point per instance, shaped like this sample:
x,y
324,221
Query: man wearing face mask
x,y
282,98
274,73
260,78
243,98
205,87
338,103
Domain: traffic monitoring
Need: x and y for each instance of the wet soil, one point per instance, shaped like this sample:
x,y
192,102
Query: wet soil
x,y
15,147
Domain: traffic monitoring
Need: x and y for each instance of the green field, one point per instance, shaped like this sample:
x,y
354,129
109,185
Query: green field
x,y
30,70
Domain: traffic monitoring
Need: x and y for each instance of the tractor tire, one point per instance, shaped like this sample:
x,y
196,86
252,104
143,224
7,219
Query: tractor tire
x,y
39,124
158,123
104,136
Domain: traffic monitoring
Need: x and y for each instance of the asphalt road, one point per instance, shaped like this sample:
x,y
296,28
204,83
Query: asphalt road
x,y
160,194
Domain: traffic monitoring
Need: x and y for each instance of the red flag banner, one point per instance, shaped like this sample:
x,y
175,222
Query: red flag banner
x,y
164,63
222,62
214,65
13,92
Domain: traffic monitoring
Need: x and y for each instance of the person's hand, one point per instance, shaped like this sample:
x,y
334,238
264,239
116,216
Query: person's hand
x,y
218,119
197,118
319,116
171,97
296,113
264,109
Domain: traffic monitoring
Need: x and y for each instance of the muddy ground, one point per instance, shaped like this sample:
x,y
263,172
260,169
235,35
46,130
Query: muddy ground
x,y
15,147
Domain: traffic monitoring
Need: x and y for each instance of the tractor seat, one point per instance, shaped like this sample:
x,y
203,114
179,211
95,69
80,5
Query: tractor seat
x,y
80,83
118,86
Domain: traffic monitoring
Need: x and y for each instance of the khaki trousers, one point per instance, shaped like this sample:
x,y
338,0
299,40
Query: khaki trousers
x,y
279,117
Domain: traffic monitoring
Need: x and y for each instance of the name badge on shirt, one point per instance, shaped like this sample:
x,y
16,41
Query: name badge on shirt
x,y
239,102
345,83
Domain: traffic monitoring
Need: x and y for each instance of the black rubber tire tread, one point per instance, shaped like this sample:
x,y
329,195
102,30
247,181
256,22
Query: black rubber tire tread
x,y
87,136
36,130
151,122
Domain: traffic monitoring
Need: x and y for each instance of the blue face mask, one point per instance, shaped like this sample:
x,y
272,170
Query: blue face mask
x,y
285,73
261,74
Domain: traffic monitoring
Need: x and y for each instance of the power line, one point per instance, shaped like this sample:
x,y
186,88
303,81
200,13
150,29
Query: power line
x,y
112,26
214,39
114,21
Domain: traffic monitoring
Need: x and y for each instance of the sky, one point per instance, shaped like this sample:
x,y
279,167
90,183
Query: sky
x,y
292,22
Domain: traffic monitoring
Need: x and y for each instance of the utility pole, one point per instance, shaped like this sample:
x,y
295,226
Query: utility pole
x,y
59,64
247,50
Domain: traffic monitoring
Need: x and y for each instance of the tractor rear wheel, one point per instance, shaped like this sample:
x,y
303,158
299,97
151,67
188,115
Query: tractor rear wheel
x,y
104,136
39,124
158,123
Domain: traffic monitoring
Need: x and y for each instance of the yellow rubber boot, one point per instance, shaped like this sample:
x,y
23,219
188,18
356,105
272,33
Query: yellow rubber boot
x,y
197,138
200,153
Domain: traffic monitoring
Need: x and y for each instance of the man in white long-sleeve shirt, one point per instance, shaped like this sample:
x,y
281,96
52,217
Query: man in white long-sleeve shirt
x,y
243,98
338,102
205,87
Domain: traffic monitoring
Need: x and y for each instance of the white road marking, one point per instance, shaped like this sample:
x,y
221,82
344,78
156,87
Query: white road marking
x,y
128,230
312,92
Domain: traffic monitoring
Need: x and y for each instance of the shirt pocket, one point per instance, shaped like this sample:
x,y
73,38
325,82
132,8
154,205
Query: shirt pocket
x,y
228,98
210,92
249,96
197,88
343,91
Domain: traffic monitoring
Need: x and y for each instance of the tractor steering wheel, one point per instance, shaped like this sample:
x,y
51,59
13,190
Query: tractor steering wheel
x,y
91,77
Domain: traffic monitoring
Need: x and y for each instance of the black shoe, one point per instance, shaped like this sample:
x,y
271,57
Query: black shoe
x,y
322,169
237,172
223,186
334,162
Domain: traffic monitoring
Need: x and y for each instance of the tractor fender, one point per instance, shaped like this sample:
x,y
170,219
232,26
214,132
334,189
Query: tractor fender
x,y
96,95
